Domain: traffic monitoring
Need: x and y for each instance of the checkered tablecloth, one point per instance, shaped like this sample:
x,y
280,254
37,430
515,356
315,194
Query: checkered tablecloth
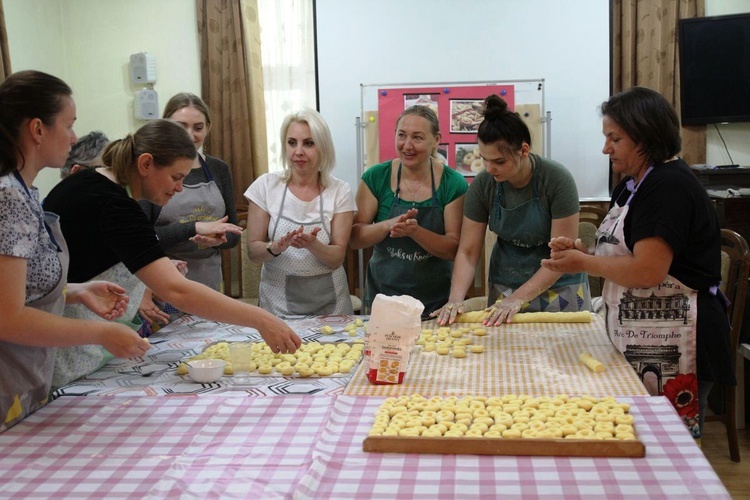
x,y
155,373
309,447
185,447
535,358
674,466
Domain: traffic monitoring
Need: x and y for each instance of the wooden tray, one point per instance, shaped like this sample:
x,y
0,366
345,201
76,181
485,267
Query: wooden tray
x,y
505,446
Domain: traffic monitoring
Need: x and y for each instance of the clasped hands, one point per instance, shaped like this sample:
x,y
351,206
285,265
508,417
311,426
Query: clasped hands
x,y
214,233
566,255
404,225
297,238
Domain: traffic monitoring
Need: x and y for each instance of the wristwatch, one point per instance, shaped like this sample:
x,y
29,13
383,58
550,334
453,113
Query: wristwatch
x,y
268,249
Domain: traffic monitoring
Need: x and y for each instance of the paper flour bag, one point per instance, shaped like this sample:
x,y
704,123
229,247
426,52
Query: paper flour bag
x,y
393,329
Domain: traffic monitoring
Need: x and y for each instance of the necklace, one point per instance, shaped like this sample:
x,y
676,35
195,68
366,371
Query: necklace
x,y
413,191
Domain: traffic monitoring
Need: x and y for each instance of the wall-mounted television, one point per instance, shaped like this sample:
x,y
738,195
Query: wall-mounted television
x,y
715,69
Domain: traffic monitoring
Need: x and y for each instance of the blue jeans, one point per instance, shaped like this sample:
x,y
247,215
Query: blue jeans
x,y
704,388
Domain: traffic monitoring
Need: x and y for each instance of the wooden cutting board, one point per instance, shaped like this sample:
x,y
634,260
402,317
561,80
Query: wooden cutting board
x,y
505,446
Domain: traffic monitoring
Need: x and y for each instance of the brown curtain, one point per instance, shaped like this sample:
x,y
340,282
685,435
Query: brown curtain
x,y
232,86
5,70
645,53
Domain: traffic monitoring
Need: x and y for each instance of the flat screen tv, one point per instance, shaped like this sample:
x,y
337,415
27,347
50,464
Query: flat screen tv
x,y
715,69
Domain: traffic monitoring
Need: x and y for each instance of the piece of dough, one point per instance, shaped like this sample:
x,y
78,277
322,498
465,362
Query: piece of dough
x,y
592,363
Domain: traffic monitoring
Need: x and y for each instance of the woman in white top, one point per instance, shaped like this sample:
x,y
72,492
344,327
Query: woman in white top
x,y
299,221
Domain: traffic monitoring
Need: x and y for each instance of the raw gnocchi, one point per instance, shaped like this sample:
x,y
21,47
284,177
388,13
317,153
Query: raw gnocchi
x,y
503,417
312,358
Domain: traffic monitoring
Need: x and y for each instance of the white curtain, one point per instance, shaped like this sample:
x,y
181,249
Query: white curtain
x,y
288,55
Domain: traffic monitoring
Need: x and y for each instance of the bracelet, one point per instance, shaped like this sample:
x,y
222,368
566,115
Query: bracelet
x,y
268,249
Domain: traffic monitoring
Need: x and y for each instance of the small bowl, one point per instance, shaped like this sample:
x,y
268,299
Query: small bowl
x,y
205,371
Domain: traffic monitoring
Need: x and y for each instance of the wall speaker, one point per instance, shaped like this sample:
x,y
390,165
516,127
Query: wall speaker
x,y
142,68
146,104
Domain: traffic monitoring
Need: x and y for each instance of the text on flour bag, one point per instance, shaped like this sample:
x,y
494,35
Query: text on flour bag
x,y
390,335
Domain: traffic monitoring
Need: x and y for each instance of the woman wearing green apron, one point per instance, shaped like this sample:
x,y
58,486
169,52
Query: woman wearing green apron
x,y
526,200
659,250
410,210
36,131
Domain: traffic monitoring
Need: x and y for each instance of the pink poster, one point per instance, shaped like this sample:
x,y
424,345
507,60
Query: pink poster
x,y
459,112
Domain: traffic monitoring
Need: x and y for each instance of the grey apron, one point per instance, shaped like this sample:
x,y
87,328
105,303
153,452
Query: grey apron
x,y
201,202
400,266
523,233
27,370
297,283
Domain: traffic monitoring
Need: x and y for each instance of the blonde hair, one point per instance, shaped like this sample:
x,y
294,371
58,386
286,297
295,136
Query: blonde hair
x,y
321,136
165,140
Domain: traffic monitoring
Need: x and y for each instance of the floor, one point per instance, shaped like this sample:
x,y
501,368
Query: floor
x,y
735,476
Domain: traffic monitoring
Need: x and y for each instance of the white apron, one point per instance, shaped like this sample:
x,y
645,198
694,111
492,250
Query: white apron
x,y
295,282
655,328
201,202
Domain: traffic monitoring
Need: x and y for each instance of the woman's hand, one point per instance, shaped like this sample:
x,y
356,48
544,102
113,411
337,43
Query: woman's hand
x,y
280,245
279,337
403,225
123,342
214,233
447,314
106,299
566,261
304,240
150,312
502,311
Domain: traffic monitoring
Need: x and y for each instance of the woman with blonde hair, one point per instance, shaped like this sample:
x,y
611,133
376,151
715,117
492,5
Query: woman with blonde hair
x,y
299,222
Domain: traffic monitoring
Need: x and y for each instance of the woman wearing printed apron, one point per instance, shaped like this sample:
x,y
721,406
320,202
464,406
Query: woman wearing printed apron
x,y
299,222
202,219
659,250
36,130
526,199
410,210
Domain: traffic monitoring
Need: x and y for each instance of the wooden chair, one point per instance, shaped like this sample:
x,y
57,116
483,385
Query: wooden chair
x,y
590,218
735,269
241,278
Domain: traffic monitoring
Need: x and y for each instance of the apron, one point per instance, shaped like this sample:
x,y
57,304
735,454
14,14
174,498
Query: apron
x,y
655,328
295,282
400,266
27,370
522,236
74,362
201,202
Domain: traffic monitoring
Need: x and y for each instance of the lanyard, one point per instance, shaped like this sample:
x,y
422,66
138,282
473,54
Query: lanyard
x,y
46,226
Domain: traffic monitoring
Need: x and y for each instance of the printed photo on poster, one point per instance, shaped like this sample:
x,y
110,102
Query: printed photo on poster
x,y
468,161
466,115
442,152
429,100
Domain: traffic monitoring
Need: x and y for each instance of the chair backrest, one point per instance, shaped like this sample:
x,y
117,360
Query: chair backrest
x,y
734,283
593,214
241,277
590,218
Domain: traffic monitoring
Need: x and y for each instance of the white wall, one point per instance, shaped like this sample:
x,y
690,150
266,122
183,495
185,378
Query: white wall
x,y
736,135
435,41
88,44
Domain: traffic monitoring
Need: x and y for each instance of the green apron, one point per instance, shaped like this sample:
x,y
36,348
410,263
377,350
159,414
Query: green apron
x,y
400,266
523,233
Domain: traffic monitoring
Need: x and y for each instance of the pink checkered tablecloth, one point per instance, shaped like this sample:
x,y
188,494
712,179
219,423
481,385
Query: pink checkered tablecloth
x,y
308,447
674,466
168,447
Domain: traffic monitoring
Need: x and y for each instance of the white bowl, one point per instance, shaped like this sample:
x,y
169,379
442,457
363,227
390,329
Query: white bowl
x,y
204,371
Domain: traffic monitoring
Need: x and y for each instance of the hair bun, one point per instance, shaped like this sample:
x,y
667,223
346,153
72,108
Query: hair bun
x,y
494,107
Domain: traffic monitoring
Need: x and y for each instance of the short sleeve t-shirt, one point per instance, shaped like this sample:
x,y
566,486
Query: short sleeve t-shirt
x,y
268,190
556,188
378,179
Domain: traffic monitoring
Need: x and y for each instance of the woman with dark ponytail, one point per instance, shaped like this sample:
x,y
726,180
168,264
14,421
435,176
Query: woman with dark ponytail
x,y
526,200
108,232
36,131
